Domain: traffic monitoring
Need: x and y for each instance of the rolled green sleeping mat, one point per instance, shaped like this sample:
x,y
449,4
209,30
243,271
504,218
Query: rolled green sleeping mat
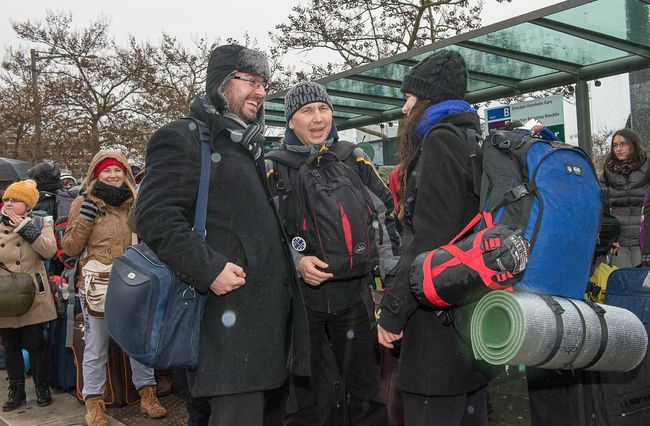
x,y
521,328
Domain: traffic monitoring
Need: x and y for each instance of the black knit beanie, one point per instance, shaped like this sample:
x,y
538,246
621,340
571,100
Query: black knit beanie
x,y
440,77
302,94
224,62
46,175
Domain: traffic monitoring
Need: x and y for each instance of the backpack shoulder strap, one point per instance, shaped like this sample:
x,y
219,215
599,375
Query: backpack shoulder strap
x,y
473,141
344,150
286,157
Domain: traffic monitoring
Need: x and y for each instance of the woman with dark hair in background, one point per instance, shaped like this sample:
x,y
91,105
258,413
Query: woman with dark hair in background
x,y
625,178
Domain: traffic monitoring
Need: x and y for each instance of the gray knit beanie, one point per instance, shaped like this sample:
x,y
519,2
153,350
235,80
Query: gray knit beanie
x,y
302,94
440,77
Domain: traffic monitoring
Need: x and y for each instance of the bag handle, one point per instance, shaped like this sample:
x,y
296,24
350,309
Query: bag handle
x,y
486,216
200,213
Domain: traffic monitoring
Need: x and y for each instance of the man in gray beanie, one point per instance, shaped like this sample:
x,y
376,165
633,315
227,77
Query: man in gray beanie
x,y
335,282
254,324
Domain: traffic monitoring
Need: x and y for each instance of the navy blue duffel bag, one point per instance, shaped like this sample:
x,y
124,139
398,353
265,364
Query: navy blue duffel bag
x,y
152,314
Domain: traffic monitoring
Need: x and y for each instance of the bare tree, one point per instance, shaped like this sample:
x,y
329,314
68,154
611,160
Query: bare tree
x,y
95,79
363,31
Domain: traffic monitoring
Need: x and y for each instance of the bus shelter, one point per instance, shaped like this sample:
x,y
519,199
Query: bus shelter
x,y
568,43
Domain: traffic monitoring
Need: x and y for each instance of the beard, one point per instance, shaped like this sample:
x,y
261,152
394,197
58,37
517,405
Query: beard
x,y
237,104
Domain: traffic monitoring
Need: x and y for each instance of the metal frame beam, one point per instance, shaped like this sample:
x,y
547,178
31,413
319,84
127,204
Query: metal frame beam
x,y
604,39
541,61
365,97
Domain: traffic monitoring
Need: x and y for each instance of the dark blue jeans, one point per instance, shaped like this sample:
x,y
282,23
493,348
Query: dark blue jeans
x,y
356,352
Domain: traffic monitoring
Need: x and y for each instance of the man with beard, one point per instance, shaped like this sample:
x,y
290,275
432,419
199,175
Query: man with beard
x,y
254,314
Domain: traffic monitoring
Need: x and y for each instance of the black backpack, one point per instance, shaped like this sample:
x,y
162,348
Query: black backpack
x,y
332,216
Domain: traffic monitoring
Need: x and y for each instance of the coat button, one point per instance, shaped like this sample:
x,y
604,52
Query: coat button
x,y
18,262
18,244
2,245
6,232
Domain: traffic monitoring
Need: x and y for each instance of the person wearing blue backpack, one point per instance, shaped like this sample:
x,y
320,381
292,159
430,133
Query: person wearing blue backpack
x,y
440,383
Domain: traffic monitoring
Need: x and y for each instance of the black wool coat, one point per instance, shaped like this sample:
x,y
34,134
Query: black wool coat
x,y
433,360
246,335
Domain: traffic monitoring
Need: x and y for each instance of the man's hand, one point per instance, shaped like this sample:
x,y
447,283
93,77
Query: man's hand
x,y
231,278
386,338
309,269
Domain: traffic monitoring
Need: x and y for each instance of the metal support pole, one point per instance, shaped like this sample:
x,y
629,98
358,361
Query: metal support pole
x,y
37,107
584,117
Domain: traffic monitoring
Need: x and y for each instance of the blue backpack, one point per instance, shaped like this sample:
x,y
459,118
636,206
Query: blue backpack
x,y
549,191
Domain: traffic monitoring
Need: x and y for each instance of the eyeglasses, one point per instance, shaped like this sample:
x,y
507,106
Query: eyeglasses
x,y
253,82
11,200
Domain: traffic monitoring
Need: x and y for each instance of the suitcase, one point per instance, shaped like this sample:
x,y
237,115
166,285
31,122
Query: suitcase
x,y
119,390
63,374
625,289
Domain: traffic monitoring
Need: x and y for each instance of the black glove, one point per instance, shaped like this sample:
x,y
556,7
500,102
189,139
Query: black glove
x,y
645,260
88,210
30,232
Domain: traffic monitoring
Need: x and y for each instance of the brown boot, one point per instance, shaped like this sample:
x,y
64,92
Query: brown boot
x,y
149,403
165,380
96,411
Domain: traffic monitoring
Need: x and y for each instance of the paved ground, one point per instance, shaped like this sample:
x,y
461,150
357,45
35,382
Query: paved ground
x,y
508,398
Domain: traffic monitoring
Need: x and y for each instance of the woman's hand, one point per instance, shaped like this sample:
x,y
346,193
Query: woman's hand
x,y
14,219
386,338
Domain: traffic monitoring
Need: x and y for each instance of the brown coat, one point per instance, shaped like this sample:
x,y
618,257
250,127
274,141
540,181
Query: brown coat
x,y
104,239
20,256
109,235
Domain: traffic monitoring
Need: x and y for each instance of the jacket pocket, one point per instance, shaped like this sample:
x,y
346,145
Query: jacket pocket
x,y
40,283
249,261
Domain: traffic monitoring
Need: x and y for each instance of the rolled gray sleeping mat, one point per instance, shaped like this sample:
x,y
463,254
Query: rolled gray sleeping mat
x,y
521,328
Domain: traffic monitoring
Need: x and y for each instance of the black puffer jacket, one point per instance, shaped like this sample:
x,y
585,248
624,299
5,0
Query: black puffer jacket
x,y
245,334
434,361
625,200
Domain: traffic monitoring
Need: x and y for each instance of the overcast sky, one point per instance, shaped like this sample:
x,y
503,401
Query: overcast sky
x,y
147,19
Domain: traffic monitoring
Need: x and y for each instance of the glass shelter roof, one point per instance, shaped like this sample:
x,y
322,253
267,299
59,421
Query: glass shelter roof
x,y
571,41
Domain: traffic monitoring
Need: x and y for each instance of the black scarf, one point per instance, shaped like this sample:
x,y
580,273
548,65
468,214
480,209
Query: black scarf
x,y
112,195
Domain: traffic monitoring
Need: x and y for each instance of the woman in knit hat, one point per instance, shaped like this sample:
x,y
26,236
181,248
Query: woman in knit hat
x,y
25,240
98,230
437,376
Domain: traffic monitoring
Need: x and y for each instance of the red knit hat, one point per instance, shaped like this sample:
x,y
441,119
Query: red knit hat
x,y
105,163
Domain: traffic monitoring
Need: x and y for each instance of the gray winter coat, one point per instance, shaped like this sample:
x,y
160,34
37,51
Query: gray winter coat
x,y
625,201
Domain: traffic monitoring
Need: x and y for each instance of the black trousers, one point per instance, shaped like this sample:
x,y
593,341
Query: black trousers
x,y
466,409
356,350
245,409
29,337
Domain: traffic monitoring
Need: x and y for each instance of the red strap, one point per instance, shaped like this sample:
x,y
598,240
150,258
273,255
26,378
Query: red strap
x,y
427,286
473,258
486,216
